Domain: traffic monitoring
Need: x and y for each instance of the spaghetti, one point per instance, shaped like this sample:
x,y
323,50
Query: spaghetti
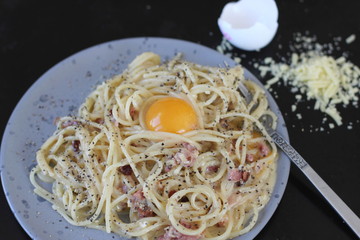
x,y
109,171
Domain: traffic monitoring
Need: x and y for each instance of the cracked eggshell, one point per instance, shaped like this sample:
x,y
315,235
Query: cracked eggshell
x,y
249,24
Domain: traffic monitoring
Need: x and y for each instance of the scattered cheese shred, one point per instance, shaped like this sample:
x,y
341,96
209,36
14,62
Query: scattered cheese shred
x,y
237,60
225,48
350,39
327,80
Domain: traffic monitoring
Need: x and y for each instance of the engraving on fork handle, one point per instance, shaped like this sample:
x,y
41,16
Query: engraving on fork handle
x,y
289,150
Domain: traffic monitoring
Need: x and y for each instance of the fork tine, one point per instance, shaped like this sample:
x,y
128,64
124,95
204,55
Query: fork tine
x,y
245,92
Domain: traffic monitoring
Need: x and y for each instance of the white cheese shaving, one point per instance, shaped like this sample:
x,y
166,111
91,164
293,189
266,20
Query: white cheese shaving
x,y
237,59
225,48
350,39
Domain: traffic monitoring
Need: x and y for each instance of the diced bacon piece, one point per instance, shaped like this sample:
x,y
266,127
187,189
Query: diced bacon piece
x,y
172,192
140,205
133,112
249,158
138,196
169,163
145,212
168,168
264,149
236,175
212,169
189,147
126,170
187,155
245,176
224,221
76,145
186,224
70,123
99,121
172,234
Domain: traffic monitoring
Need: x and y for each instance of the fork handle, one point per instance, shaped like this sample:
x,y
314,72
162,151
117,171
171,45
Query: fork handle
x,y
335,201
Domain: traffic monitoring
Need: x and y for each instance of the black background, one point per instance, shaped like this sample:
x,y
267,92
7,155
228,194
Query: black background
x,y
35,35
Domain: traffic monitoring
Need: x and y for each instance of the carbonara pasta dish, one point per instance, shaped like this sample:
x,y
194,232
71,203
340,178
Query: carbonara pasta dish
x,y
167,151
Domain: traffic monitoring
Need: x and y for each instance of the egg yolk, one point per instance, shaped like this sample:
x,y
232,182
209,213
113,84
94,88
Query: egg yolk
x,y
171,114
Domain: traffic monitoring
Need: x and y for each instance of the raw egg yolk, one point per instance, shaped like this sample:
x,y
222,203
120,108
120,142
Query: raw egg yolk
x,y
171,114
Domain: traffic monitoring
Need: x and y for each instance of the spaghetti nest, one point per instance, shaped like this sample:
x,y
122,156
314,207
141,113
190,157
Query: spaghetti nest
x,y
109,172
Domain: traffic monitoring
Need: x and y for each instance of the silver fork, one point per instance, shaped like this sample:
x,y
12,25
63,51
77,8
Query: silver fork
x,y
333,199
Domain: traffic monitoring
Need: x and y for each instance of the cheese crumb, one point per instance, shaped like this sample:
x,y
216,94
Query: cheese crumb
x,y
225,48
220,49
237,59
350,39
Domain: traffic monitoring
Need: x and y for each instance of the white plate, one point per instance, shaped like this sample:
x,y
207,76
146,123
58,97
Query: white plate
x,y
58,93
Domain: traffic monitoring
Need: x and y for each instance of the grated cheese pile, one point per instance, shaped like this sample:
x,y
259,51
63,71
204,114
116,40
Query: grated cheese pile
x,y
312,73
327,80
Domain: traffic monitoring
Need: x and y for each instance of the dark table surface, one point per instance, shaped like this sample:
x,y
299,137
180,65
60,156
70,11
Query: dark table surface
x,y
35,35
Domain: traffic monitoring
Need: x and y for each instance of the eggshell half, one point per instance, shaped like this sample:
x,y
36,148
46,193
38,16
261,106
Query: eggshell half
x,y
249,24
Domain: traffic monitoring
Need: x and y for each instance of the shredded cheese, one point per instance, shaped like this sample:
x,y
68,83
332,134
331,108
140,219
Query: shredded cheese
x,y
225,48
327,80
350,39
313,74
